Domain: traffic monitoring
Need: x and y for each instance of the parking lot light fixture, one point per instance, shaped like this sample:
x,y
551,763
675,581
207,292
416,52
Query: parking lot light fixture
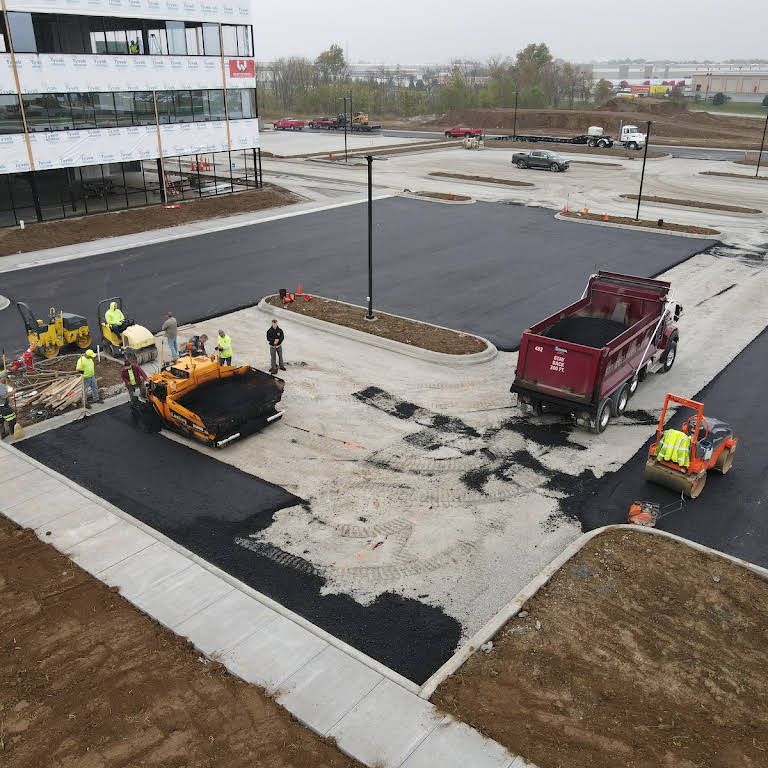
x,y
642,174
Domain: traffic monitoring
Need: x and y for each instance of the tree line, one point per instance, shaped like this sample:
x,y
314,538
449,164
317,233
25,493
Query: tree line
x,y
301,85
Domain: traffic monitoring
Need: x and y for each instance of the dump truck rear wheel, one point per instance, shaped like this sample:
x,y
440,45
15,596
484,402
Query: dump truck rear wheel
x,y
621,400
603,416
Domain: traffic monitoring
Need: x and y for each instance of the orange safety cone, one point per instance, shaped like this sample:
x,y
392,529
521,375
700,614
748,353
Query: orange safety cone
x,y
586,211
565,207
605,217
293,297
298,290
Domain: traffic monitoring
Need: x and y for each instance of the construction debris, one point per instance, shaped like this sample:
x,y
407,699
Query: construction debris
x,y
59,395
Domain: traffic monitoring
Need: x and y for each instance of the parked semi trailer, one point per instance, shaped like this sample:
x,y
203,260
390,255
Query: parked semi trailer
x,y
630,138
587,359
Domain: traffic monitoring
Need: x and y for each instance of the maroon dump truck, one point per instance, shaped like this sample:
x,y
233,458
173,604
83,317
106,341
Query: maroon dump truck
x,y
587,359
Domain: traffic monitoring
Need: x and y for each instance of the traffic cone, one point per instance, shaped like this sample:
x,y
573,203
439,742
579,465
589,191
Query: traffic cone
x,y
586,211
565,207
605,217
298,290
292,297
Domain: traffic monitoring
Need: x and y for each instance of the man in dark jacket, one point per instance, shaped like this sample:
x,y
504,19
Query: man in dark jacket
x,y
275,337
196,346
7,418
133,377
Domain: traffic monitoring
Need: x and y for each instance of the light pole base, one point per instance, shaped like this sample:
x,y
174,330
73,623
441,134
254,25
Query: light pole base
x,y
371,317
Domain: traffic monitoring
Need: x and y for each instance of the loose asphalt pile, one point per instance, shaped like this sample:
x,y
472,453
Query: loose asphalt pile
x,y
212,509
587,331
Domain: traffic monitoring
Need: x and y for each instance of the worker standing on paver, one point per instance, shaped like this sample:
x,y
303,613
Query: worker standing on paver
x,y
275,337
196,346
224,348
171,328
115,319
86,367
133,377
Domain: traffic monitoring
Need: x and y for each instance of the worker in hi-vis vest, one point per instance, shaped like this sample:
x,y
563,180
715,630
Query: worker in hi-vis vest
x,y
674,446
133,377
86,368
224,348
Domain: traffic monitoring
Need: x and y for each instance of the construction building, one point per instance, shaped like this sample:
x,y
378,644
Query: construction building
x,y
740,85
114,104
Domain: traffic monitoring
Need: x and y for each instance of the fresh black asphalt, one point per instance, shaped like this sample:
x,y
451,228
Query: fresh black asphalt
x,y
732,512
212,508
488,268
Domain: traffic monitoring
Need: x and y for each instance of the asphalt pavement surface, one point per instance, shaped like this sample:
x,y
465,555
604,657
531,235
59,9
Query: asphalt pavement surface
x,y
488,268
730,514
216,510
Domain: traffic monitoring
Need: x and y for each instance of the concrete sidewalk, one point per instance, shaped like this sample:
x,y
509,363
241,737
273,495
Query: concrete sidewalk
x,y
331,688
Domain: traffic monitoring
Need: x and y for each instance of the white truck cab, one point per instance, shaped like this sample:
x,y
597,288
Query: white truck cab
x,y
631,138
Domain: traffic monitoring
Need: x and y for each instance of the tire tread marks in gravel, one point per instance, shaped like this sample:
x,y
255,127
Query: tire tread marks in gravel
x,y
206,505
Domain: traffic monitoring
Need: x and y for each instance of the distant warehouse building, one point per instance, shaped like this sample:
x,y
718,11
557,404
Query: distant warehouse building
x,y
740,85
113,104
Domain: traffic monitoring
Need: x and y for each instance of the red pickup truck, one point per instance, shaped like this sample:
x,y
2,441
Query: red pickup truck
x,y
322,122
288,124
463,131
587,359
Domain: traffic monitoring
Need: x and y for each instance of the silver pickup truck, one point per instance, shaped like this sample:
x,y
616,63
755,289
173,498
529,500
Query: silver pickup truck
x,y
541,158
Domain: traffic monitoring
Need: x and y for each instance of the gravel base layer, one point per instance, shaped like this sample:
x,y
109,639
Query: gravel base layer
x,y
589,331
400,329
643,223
89,680
53,234
733,175
487,179
695,204
640,652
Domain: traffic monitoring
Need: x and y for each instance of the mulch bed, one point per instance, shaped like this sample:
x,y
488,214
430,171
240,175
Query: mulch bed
x,y
640,652
487,179
643,223
81,230
524,146
88,680
400,329
695,204
733,175
445,196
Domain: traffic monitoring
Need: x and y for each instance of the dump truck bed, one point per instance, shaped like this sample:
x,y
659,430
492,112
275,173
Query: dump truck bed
x,y
583,353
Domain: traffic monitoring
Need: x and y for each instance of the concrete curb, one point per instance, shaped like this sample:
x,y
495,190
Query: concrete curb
x,y
692,208
376,666
667,232
4,303
513,607
411,196
441,358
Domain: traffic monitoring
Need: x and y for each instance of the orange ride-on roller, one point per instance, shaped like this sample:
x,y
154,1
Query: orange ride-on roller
x,y
712,446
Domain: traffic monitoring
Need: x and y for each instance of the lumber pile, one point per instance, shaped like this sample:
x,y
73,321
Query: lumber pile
x,y
59,395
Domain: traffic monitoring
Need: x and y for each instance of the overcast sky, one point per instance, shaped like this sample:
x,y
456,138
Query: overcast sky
x,y
428,31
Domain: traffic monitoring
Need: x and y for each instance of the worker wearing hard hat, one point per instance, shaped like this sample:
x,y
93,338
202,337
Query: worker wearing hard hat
x,y
86,367
114,318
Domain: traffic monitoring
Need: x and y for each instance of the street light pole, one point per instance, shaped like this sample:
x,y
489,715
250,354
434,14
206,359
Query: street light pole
x,y
762,144
642,175
514,120
346,159
370,316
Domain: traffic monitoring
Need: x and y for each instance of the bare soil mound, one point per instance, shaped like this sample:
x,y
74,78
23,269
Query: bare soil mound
x,y
640,652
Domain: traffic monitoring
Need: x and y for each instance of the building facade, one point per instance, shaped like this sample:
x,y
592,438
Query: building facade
x,y
740,85
113,104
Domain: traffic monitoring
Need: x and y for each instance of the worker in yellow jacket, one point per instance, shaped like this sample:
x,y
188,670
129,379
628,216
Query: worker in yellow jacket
x,y
674,446
86,367
114,318
224,348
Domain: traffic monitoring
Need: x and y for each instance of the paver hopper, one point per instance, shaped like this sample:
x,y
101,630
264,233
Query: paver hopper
x,y
681,464
213,403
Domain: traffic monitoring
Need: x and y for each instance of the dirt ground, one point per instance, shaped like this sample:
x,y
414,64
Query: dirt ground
x,y
71,231
488,179
733,175
107,377
695,204
640,653
445,196
672,124
87,680
387,326
645,223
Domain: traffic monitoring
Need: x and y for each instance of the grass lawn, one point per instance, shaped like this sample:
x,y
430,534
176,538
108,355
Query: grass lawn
x,y
739,107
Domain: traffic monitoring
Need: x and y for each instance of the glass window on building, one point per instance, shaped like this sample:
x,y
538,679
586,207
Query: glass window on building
x,y
244,41
59,112
177,39
124,108
235,103
3,35
211,42
143,108
22,32
74,34
157,41
200,111
216,105
194,31
96,35
182,105
82,110
10,115
229,39
104,110
36,112
165,111
250,105
46,33
116,34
